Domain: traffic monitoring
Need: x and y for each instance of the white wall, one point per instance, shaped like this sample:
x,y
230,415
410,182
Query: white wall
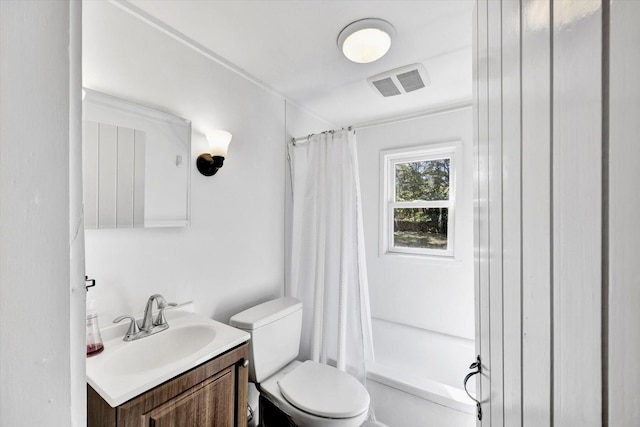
x,y
232,255
41,291
426,293
77,312
623,349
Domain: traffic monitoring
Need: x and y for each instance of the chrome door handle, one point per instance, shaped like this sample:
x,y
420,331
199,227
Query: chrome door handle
x,y
477,365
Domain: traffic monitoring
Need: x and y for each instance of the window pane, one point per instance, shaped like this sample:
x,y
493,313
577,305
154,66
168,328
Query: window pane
x,y
423,180
420,228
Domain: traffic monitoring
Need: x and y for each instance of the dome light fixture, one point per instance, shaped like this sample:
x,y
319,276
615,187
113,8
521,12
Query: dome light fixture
x,y
366,40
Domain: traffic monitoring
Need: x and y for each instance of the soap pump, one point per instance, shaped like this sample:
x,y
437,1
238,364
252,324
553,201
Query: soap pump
x,y
94,339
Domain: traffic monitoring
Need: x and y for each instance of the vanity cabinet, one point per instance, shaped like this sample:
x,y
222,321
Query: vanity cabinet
x,y
213,394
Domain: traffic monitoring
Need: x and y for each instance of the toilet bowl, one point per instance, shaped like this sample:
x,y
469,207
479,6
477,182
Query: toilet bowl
x,y
309,393
319,411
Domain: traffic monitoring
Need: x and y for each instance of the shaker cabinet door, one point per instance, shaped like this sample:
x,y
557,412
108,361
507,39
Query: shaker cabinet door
x,y
208,404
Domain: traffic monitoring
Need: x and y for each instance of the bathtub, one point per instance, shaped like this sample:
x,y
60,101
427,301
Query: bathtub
x,y
416,379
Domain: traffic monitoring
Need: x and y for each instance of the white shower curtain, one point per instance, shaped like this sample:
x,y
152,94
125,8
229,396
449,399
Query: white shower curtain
x,y
328,269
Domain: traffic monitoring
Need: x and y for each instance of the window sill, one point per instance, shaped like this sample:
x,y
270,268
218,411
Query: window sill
x,y
444,259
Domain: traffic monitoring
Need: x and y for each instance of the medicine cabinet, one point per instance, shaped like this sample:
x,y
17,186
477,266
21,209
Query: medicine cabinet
x,y
136,168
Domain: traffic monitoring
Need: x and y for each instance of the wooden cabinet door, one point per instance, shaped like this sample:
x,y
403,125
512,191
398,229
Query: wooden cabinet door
x,y
213,394
208,404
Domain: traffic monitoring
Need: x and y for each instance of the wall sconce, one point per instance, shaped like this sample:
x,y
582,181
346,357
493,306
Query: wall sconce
x,y
209,163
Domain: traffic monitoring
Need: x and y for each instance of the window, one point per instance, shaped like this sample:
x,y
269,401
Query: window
x,y
419,200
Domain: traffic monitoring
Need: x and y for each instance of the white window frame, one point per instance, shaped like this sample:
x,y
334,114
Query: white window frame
x,y
388,161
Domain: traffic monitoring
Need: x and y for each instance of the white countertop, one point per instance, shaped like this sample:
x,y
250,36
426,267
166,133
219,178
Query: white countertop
x,y
125,370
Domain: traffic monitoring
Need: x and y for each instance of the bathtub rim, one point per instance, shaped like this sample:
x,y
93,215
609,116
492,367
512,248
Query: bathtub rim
x,y
424,388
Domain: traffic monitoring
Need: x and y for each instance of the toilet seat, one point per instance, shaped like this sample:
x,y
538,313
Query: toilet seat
x,y
324,391
270,390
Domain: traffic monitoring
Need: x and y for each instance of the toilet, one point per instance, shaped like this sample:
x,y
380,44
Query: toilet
x,y
305,394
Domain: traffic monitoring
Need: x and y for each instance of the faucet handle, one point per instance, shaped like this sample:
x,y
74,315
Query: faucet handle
x,y
133,327
160,319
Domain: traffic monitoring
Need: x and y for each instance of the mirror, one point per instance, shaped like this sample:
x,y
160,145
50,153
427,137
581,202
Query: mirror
x,y
135,164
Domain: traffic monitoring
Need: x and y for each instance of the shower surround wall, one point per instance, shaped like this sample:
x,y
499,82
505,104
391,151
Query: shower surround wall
x,y
422,307
232,255
428,293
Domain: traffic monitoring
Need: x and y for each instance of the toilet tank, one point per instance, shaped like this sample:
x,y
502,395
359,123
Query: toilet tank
x,y
275,335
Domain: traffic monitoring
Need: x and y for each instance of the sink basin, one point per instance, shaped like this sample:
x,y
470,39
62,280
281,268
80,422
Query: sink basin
x,y
161,349
126,369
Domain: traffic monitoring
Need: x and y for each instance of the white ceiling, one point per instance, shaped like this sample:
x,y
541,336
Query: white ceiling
x,y
290,47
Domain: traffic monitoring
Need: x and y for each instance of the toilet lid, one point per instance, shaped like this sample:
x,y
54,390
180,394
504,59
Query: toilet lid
x,y
324,391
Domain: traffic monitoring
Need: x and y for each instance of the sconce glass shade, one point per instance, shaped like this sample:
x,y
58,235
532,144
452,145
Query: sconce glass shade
x,y
366,40
219,142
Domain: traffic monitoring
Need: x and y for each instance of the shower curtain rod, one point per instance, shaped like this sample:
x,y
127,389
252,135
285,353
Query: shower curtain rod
x,y
429,112
294,141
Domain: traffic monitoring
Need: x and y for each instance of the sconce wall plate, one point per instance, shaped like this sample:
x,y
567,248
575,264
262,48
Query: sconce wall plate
x,y
208,165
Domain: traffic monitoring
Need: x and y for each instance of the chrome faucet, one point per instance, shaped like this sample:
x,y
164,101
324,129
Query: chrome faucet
x,y
148,326
147,319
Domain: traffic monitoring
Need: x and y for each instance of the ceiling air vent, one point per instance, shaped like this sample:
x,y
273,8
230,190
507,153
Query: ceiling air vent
x,y
386,87
400,80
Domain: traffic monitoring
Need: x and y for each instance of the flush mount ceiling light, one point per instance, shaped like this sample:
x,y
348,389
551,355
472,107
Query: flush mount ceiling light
x,y
366,40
